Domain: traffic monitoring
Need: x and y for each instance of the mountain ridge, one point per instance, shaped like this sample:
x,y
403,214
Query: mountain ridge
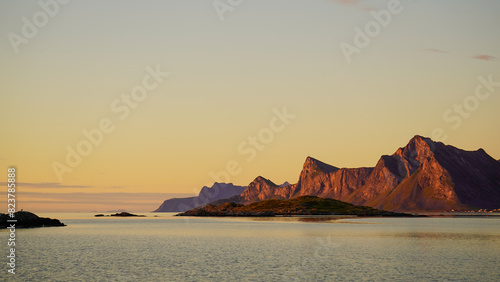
x,y
207,194
424,175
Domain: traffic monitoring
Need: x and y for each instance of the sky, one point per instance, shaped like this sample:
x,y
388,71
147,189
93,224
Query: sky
x,y
108,105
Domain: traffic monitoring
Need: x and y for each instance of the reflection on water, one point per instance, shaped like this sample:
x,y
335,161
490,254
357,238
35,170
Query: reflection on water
x,y
448,236
320,219
171,248
315,218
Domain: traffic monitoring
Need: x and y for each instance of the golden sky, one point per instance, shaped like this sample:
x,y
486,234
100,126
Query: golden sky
x,y
156,97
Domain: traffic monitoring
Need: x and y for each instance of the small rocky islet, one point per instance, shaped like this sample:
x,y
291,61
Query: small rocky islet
x,y
120,214
26,219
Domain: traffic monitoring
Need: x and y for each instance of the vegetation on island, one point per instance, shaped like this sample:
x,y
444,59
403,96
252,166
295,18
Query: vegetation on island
x,y
121,214
304,205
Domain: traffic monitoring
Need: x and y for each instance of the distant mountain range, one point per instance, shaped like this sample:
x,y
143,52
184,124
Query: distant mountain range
x,y
422,176
216,192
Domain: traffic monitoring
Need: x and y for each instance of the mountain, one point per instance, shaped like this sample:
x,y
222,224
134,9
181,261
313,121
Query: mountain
x,y
322,180
433,176
422,176
216,192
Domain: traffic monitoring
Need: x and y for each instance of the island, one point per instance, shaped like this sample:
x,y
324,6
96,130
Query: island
x,y
121,214
126,214
304,205
28,220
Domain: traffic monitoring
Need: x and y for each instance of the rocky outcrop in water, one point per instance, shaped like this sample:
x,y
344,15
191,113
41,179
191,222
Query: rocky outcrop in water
x,y
28,220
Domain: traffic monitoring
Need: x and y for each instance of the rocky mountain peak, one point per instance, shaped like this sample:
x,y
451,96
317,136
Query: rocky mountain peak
x,y
259,181
260,189
314,165
286,183
418,147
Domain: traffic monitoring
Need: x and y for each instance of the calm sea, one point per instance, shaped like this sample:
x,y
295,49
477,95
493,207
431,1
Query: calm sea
x,y
168,248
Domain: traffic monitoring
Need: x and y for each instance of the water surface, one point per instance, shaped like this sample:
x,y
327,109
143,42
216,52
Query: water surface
x,y
169,248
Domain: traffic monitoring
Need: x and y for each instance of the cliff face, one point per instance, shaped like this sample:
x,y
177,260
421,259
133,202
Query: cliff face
x,y
422,176
476,175
322,180
216,192
419,183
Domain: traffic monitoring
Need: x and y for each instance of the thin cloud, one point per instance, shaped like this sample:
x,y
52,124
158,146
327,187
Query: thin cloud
x,y
92,202
484,57
92,198
346,2
46,185
437,51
